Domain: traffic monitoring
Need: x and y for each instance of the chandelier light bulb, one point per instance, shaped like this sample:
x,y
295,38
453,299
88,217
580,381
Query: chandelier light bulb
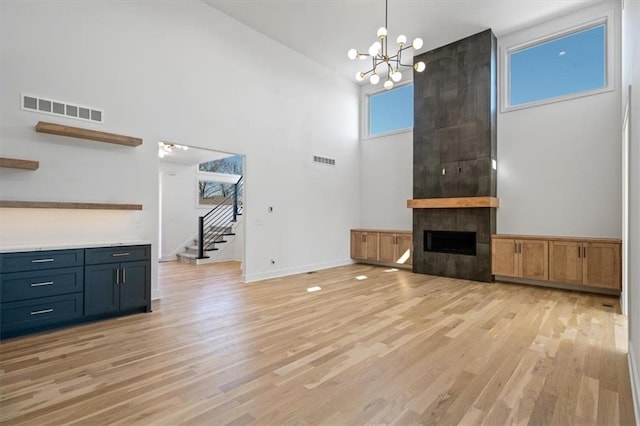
x,y
375,48
382,32
401,40
420,66
417,43
374,79
388,84
352,54
359,76
396,76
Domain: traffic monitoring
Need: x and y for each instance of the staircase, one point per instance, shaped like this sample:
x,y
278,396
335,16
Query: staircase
x,y
215,228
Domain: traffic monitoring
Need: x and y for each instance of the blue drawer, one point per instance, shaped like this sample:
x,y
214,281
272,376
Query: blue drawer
x,y
28,285
95,256
41,312
39,260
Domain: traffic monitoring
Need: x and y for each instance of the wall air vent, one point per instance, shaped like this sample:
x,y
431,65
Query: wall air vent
x,y
324,160
61,109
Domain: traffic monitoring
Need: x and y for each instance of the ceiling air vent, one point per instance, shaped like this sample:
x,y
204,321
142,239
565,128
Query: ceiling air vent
x,y
61,109
324,160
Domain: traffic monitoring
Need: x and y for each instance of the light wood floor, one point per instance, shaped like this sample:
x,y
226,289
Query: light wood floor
x,y
395,347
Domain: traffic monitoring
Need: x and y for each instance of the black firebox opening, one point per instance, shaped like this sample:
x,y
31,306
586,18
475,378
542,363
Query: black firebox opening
x,y
450,242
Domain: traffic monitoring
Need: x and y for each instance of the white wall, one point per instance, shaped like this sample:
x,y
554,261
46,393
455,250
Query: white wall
x,y
559,164
157,69
180,213
386,178
631,76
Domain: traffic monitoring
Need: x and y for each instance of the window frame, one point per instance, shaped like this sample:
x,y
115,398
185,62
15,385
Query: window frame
x,y
215,177
365,120
606,20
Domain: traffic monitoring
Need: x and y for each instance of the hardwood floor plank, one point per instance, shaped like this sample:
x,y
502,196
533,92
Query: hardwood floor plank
x,y
394,348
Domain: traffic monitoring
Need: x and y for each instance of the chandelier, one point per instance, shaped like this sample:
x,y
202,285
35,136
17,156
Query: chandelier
x,y
383,62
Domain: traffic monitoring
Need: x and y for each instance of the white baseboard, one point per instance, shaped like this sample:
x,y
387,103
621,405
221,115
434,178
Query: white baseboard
x,y
635,382
249,278
155,295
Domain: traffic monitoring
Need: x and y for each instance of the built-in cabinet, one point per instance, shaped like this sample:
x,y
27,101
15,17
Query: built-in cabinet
x,y
594,263
382,247
520,258
46,289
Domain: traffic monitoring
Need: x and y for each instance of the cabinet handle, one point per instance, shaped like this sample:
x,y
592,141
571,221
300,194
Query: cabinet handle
x,y
119,254
515,247
124,276
584,252
579,252
41,260
364,238
43,311
41,284
118,276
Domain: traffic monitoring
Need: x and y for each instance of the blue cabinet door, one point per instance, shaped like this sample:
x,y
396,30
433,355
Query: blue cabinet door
x,y
102,289
134,288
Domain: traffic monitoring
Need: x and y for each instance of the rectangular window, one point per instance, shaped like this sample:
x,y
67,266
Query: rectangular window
x,y
391,110
558,67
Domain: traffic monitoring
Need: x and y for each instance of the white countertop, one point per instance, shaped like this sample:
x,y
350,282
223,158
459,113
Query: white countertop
x,y
64,246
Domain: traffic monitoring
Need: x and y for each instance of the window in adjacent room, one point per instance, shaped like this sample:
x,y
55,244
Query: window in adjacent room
x,y
558,67
390,111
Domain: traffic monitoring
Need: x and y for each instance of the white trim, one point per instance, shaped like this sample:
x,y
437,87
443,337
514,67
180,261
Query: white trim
x,y
635,382
626,136
292,271
607,19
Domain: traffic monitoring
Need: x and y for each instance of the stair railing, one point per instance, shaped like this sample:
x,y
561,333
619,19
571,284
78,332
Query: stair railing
x,y
217,222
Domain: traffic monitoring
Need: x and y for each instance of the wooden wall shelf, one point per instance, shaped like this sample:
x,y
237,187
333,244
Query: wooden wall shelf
x,y
15,163
94,135
453,203
67,205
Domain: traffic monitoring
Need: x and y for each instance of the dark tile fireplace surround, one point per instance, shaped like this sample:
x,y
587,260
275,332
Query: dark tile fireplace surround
x,y
454,143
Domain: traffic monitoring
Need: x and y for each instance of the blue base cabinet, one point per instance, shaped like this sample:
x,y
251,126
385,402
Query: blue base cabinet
x,y
47,289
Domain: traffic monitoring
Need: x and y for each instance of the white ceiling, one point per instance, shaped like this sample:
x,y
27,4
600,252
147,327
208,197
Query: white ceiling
x,y
324,30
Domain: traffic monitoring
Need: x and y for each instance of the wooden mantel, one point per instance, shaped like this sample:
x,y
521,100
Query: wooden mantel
x,y
453,203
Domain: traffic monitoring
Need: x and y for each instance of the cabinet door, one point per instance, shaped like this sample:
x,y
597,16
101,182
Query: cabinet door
x,y
373,245
134,291
387,247
534,259
404,244
601,265
101,293
358,245
565,262
504,260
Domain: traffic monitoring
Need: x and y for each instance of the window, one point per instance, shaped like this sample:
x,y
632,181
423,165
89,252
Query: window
x,y
558,67
216,181
391,110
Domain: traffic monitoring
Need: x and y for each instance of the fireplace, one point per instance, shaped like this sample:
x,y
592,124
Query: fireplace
x,y
454,144
453,242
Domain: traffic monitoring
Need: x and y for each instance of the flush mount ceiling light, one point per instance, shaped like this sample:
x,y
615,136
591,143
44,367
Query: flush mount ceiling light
x,y
383,62
167,147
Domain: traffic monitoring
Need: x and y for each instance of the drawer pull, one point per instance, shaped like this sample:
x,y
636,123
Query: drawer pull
x,y
119,254
41,260
43,311
124,276
41,284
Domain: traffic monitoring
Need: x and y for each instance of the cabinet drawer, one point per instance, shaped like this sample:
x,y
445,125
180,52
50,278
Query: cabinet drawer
x,y
29,285
40,312
94,256
38,260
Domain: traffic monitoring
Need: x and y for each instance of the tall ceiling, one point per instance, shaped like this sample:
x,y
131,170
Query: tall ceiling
x,y
324,30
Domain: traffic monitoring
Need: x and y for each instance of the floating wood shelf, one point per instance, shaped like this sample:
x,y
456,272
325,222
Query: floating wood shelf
x,y
453,203
15,163
94,135
67,205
